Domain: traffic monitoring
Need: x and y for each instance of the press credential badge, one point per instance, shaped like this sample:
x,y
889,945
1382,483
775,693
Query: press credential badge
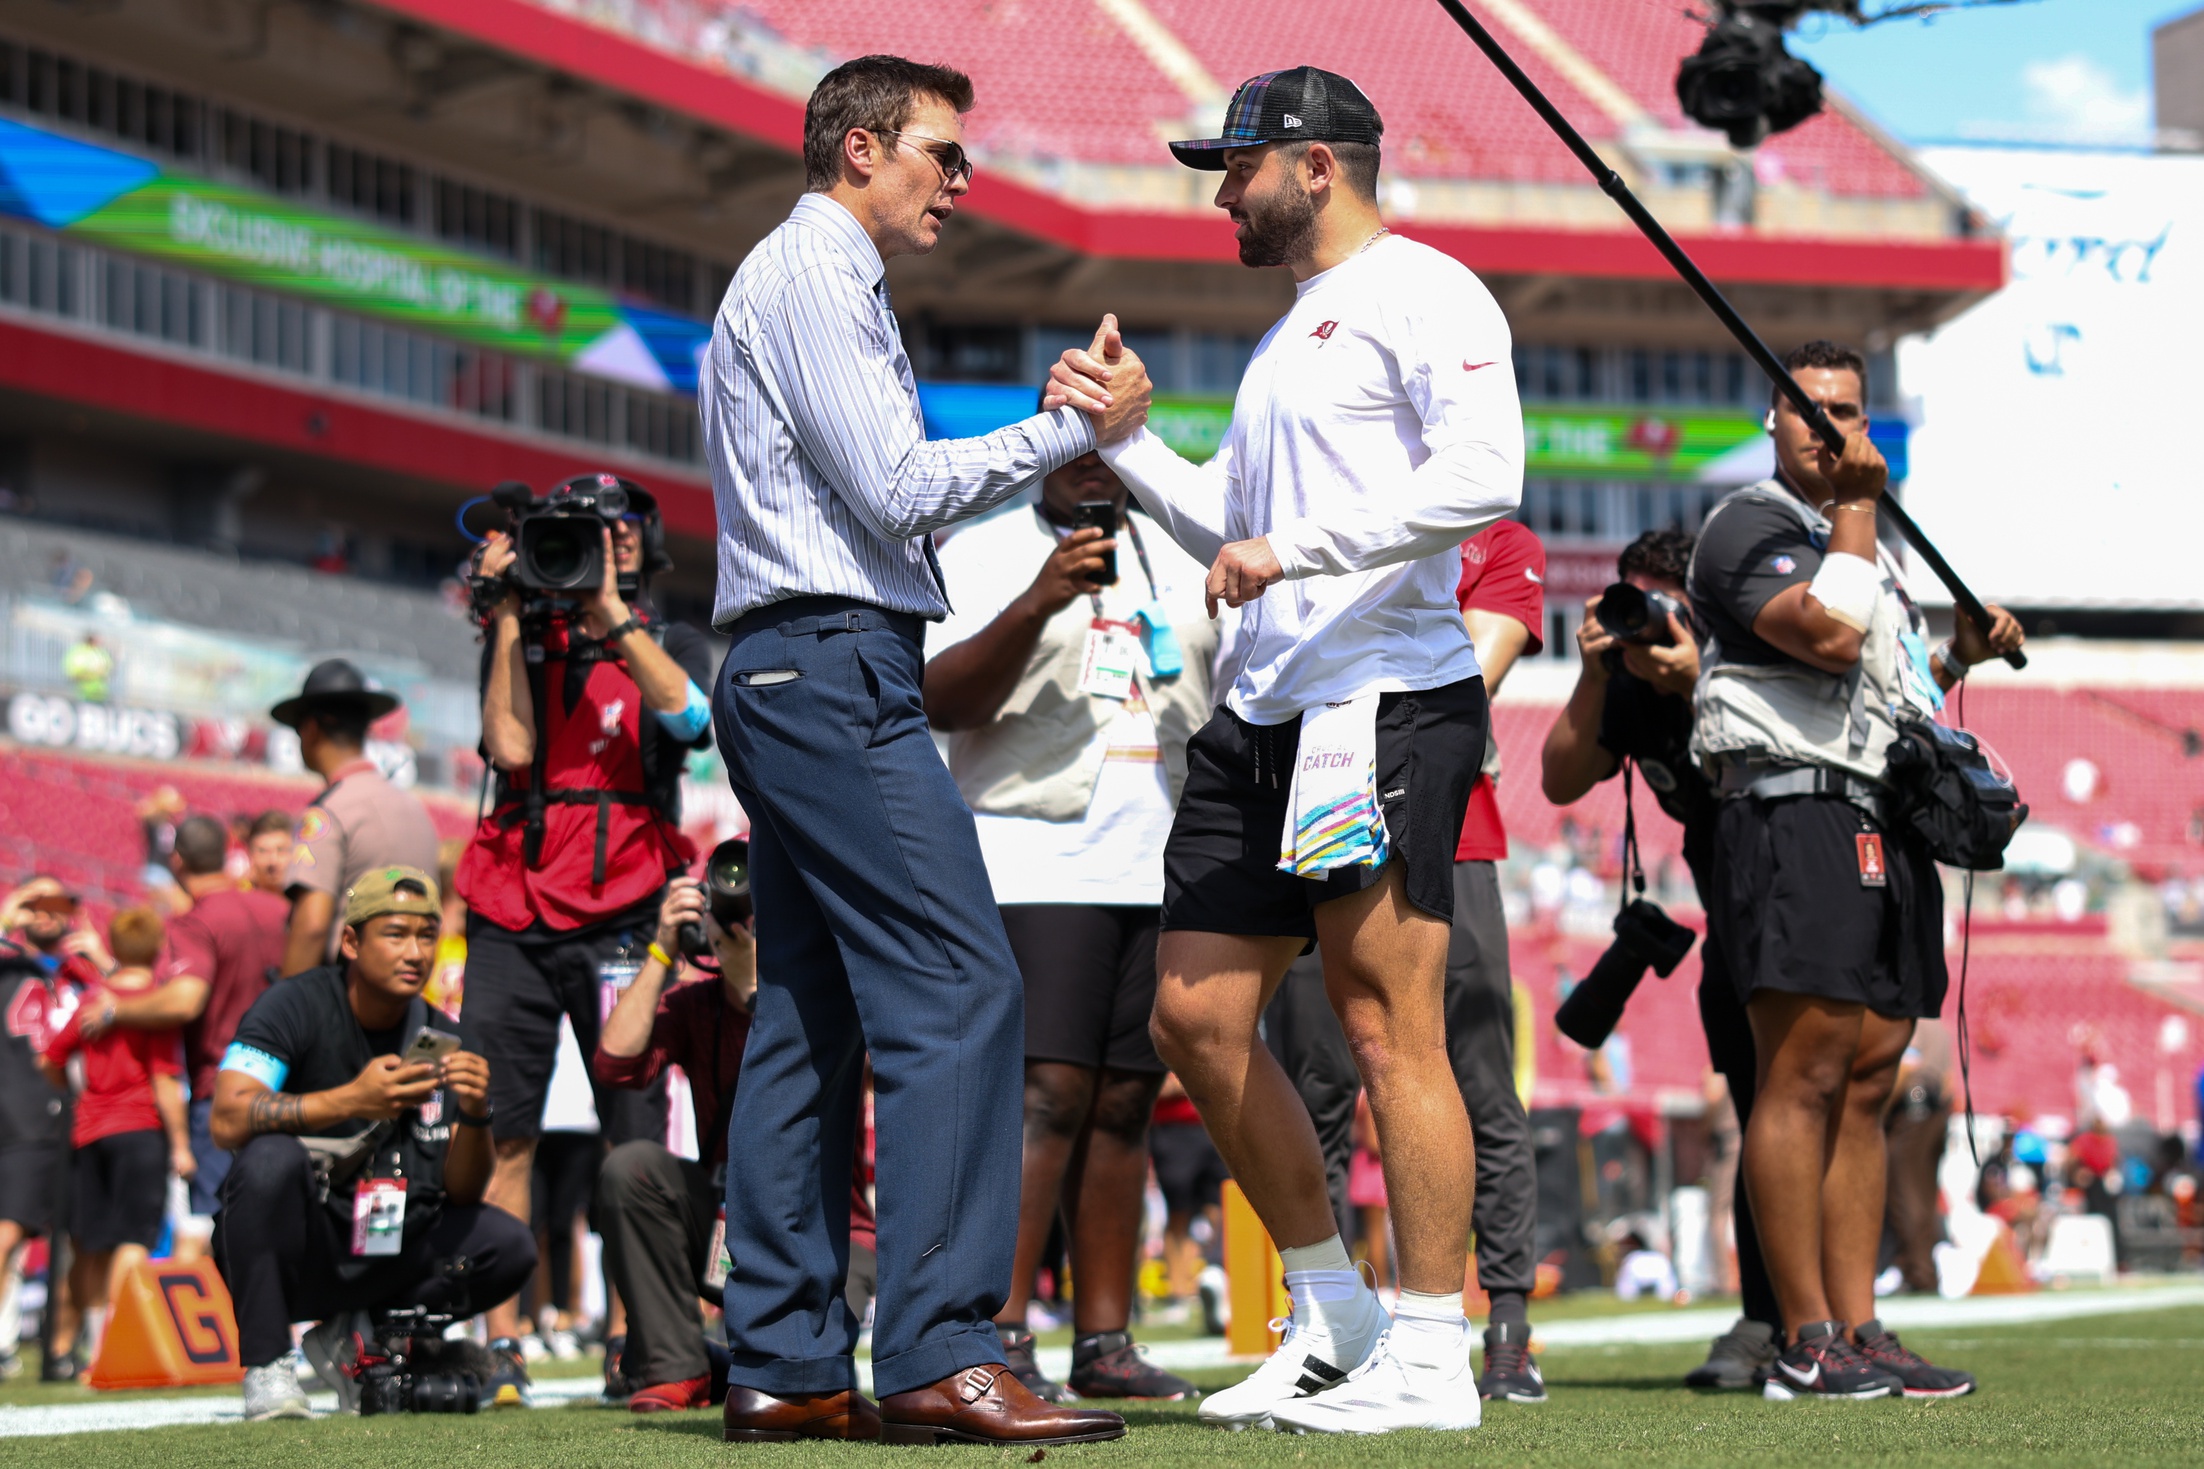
x,y
1113,657
379,1217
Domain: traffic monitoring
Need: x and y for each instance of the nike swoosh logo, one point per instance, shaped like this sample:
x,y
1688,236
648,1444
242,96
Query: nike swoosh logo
x,y
1469,366
1803,1379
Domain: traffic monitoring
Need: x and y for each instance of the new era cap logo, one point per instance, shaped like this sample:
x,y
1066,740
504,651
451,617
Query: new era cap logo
x,y
1292,121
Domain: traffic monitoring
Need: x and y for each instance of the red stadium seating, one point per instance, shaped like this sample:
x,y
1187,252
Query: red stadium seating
x,y
75,818
1058,79
2149,805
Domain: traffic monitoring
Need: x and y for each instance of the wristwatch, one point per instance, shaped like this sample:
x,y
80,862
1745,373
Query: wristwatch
x,y
467,1120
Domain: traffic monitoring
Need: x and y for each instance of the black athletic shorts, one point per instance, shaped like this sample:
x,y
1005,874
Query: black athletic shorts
x,y
517,987
1190,1172
120,1188
29,1176
1090,982
1792,914
1220,867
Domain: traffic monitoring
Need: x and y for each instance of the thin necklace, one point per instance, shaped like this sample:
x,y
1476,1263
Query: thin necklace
x,y
1383,231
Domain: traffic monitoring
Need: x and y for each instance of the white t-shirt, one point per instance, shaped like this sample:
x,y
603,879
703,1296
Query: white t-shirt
x,y
1114,855
1377,428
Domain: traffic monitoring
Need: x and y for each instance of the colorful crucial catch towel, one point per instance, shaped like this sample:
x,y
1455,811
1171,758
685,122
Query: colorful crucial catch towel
x,y
1332,815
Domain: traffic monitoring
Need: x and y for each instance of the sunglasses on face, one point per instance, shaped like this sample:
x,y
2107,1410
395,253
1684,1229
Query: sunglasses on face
x,y
949,157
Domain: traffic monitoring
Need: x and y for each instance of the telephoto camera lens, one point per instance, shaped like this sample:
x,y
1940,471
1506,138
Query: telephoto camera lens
x,y
726,894
1645,938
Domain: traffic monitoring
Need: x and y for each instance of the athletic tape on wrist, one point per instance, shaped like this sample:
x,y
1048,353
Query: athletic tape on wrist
x,y
1847,586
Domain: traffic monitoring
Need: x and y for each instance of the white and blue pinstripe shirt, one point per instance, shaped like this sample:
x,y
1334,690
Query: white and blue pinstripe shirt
x,y
824,479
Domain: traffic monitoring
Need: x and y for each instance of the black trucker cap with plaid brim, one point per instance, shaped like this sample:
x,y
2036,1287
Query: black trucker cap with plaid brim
x,y
1304,105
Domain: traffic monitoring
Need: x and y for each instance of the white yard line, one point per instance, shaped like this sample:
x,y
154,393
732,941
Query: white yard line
x,y
1652,1329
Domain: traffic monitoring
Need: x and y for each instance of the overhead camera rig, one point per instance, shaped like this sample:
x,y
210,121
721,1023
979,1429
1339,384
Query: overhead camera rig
x,y
1744,83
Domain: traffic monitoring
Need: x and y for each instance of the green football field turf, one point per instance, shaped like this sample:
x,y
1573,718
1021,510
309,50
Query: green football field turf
x,y
2123,1390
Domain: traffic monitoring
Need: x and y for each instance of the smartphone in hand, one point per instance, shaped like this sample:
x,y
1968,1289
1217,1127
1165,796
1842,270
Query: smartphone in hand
x,y
429,1047
1102,515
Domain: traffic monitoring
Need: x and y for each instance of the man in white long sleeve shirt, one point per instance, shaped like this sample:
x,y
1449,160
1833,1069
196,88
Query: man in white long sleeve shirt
x,y
1377,428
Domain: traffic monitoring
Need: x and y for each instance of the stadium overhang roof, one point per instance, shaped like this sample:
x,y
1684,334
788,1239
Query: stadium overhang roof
x,y
1956,270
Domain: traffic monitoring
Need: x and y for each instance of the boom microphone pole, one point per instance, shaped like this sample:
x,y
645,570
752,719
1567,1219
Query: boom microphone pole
x,y
1611,184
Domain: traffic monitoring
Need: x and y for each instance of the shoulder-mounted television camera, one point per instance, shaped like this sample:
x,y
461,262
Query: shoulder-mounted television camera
x,y
559,539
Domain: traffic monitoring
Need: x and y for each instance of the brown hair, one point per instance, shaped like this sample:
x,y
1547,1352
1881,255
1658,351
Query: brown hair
x,y
268,822
874,93
202,844
135,936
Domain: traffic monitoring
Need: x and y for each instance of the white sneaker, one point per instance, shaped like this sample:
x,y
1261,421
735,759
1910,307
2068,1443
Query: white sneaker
x,y
1308,1360
273,1392
1391,1391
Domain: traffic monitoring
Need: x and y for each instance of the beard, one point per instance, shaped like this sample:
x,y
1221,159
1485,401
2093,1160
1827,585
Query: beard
x,y
1281,226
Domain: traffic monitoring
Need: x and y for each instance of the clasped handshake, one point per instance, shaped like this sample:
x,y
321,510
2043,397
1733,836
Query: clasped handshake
x,y
1108,382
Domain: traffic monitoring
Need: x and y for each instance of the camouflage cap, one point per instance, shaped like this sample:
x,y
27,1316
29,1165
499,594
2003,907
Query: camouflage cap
x,y
391,890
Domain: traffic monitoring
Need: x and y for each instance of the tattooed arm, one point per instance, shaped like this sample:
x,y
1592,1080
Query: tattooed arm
x,y
245,1106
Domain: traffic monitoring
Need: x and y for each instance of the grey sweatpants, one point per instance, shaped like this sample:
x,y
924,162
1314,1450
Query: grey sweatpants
x,y
1480,1039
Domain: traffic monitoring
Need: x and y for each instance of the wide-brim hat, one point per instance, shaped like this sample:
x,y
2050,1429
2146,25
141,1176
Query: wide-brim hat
x,y
334,684
1304,105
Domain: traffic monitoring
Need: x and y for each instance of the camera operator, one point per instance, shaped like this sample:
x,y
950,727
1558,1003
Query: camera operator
x,y
1824,898
590,705
661,1216
1632,702
359,1173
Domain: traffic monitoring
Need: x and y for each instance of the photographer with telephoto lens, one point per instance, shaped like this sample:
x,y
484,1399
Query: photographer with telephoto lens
x,y
663,1218
591,703
1631,710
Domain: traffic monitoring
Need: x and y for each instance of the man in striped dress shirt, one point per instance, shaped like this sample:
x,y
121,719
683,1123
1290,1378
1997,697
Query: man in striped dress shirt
x,y
877,926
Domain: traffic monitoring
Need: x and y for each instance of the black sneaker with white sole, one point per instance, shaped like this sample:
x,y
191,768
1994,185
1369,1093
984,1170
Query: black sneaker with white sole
x,y
1510,1376
1739,1359
1109,1364
1018,1357
1822,1363
1918,1378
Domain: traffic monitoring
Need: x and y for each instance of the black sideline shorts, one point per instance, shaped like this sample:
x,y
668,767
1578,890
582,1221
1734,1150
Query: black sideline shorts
x,y
1792,914
1090,982
1220,867
1190,1172
120,1184
29,1173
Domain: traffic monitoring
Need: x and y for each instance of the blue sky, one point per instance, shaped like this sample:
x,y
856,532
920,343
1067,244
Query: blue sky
x,y
2049,70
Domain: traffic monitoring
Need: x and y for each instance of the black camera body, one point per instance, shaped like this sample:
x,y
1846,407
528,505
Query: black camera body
x,y
726,895
1742,81
558,541
1635,615
1645,938
410,1368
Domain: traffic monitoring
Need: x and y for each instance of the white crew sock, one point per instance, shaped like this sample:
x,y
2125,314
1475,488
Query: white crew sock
x,y
1327,1291
1428,1326
1329,1254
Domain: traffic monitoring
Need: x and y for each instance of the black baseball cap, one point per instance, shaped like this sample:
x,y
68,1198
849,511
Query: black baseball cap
x,y
1304,105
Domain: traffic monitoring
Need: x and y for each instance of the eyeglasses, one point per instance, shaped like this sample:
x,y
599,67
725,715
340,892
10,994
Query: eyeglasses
x,y
953,161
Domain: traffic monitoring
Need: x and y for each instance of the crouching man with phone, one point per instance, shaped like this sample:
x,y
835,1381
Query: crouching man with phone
x,y
362,1149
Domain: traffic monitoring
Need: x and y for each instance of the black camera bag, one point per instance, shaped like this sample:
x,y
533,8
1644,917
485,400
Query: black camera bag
x,y
1948,792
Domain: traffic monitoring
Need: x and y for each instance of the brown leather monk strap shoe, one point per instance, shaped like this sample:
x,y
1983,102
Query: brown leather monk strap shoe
x,y
988,1405
756,1417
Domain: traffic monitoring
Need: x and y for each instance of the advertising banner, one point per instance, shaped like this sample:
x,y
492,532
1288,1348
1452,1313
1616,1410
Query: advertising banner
x,y
131,204
1713,445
